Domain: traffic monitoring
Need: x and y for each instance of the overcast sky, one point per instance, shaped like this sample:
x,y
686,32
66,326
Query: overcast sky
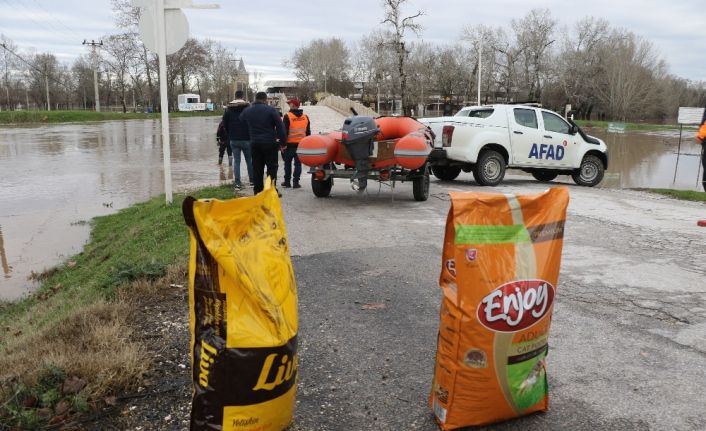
x,y
270,32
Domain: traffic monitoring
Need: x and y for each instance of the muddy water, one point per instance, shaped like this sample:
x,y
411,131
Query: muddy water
x,y
53,179
651,159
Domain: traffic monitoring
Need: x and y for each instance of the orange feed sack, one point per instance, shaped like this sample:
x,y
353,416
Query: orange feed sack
x,y
500,269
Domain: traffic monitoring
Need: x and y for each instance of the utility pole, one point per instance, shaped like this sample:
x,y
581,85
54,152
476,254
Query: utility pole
x,y
46,81
480,65
93,44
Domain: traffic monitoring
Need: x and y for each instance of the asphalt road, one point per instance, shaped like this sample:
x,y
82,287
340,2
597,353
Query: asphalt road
x,y
628,339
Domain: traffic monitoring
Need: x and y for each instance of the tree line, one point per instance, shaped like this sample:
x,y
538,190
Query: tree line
x,y
603,72
128,73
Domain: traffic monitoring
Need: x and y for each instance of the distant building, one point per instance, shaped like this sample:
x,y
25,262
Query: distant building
x,y
288,87
241,78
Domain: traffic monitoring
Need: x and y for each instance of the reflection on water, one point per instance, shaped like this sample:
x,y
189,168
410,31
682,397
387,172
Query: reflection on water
x,y
225,173
3,257
52,177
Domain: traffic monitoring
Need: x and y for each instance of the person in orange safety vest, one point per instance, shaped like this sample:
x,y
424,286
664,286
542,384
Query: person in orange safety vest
x,y
701,137
296,127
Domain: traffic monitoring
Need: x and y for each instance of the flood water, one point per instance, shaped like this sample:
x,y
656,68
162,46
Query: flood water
x,y
649,160
53,179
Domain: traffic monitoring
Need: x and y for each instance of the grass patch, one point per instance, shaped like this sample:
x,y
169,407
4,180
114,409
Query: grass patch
x,y
686,195
93,345
47,117
78,324
637,127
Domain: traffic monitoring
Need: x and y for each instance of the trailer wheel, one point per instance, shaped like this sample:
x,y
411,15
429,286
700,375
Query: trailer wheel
x,y
321,188
590,173
446,173
490,168
420,186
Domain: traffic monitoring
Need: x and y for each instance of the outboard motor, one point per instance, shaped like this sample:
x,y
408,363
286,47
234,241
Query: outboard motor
x,y
358,134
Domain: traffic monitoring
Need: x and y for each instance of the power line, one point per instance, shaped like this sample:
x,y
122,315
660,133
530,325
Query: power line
x,y
42,72
16,6
28,13
55,18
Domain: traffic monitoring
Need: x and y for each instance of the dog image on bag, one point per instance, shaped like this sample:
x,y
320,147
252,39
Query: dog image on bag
x,y
500,267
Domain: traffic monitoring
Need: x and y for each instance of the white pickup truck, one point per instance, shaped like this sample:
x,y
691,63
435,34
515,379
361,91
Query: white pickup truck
x,y
488,139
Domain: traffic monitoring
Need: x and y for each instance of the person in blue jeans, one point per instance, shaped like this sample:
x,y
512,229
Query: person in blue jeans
x,y
296,127
266,135
239,136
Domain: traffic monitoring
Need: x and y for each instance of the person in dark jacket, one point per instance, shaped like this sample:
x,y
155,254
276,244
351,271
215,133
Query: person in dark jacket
x,y
296,127
223,143
266,133
239,135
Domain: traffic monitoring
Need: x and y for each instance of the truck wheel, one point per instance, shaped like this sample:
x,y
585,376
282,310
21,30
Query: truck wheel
x,y
420,186
446,173
544,176
590,173
321,188
490,168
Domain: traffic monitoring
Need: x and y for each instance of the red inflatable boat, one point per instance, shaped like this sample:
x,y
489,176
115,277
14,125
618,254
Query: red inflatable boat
x,y
387,149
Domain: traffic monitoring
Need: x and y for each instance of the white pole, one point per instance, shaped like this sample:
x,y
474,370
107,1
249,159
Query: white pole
x,y
480,66
162,53
95,80
46,81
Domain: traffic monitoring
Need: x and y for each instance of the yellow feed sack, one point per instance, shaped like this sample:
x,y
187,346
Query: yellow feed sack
x,y
243,314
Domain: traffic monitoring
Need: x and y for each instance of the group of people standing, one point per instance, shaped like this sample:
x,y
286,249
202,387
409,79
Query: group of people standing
x,y
259,132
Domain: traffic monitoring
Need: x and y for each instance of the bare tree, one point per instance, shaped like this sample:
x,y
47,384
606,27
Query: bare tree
x,y
82,76
578,61
121,54
128,17
374,63
8,65
483,40
421,73
450,72
323,65
627,72
184,66
534,32
507,62
256,80
399,26
44,70
220,71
